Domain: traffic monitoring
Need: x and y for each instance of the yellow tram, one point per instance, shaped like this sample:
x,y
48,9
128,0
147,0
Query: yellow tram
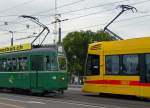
x,y
119,67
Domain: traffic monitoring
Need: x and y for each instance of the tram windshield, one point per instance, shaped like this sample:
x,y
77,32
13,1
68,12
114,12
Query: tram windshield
x,y
62,63
92,65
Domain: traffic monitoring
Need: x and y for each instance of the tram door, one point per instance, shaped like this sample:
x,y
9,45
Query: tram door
x,y
36,66
145,73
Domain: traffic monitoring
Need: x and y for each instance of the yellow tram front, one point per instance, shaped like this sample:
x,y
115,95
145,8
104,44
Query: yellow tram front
x,y
119,67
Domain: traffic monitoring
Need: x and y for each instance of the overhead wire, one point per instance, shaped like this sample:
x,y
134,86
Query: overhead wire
x,y
96,6
109,10
61,6
87,8
33,0
18,5
72,4
14,21
106,10
73,18
126,19
91,7
102,24
13,7
122,20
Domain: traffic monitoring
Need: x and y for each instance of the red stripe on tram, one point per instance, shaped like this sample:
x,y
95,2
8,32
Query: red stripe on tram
x,y
137,83
117,82
104,82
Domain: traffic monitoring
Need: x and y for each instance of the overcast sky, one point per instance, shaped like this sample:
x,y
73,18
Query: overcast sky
x,y
82,14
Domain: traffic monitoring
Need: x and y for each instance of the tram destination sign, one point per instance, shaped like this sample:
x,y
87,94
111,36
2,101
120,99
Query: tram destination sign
x,y
14,48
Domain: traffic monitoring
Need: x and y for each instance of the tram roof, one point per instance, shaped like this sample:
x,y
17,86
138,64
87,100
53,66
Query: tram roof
x,y
141,44
34,49
141,39
122,41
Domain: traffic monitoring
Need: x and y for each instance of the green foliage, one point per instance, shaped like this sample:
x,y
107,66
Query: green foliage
x,y
76,45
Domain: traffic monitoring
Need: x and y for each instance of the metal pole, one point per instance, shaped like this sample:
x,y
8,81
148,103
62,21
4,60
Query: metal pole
x,y
59,30
55,25
59,39
12,38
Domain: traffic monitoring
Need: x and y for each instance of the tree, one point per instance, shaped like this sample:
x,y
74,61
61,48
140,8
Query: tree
x,y
76,45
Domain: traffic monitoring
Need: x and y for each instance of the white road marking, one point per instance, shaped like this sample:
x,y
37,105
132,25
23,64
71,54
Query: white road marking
x,y
22,101
11,105
76,89
69,102
77,104
34,102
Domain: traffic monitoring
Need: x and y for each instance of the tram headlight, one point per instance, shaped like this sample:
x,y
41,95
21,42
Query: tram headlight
x,y
54,77
63,78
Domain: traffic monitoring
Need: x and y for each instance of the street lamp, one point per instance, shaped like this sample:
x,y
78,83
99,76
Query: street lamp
x,y
11,37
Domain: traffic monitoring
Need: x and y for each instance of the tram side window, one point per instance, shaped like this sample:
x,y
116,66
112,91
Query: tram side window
x,y
3,62
14,64
22,64
8,65
47,62
50,63
54,62
1,65
92,66
130,64
112,65
19,64
147,59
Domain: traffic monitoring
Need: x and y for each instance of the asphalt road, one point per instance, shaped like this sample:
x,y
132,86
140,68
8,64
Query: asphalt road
x,y
73,98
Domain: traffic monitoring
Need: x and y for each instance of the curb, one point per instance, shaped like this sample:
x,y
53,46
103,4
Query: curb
x,y
75,86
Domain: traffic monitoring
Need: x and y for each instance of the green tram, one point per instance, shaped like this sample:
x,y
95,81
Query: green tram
x,y
39,69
